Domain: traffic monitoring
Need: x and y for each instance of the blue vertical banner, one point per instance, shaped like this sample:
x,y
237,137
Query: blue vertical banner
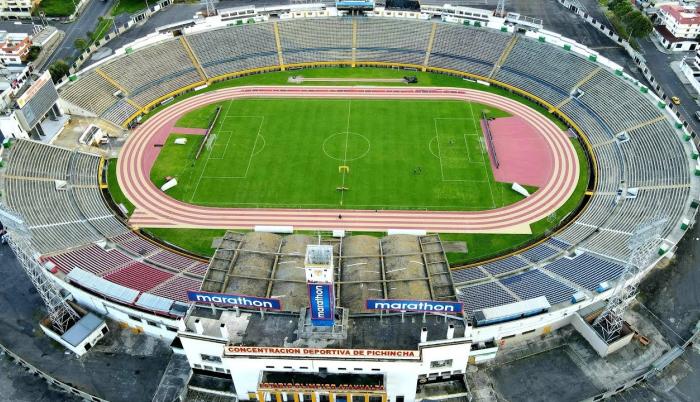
x,y
322,301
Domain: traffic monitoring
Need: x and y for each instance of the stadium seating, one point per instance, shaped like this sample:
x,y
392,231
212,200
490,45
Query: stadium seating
x,y
586,270
139,276
91,258
556,67
154,71
119,112
484,295
654,157
67,225
617,102
531,284
248,47
93,93
316,40
398,41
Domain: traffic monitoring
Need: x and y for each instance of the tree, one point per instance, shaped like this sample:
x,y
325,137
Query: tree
x,y
58,70
639,24
33,53
80,44
622,8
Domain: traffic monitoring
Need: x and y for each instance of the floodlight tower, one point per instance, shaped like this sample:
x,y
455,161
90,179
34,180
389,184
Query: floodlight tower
x,y
211,10
500,9
643,244
61,315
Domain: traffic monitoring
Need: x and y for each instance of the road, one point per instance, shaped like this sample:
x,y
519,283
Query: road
x,y
660,66
77,29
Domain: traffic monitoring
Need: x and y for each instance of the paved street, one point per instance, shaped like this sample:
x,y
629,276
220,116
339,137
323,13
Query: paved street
x,y
659,65
77,29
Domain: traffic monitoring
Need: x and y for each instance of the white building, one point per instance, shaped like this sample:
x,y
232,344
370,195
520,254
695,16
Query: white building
x,y
380,359
29,109
678,27
690,66
16,9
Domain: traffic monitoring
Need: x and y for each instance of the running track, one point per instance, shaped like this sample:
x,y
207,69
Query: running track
x,y
153,208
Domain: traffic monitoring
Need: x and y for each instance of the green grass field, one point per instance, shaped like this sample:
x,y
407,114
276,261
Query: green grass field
x,y
481,246
56,8
288,152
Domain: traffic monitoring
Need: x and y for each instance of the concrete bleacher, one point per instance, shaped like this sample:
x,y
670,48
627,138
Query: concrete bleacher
x,y
248,47
93,93
316,40
153,71
586,270
557,67
397,41
91,258
461,48
532,284
119,112
73,227
654,158
617,102
482,296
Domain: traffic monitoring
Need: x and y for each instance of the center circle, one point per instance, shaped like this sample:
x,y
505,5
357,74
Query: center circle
x,y
346,146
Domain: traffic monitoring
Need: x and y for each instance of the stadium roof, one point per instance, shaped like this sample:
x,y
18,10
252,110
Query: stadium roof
x,y
393,267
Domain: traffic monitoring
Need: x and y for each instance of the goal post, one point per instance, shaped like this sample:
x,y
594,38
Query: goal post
x,y
207,136
210,142
343,169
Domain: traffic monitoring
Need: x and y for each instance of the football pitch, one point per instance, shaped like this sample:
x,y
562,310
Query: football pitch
x,y
335,153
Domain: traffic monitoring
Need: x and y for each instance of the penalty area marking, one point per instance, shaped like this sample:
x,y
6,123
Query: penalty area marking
x,y
253,152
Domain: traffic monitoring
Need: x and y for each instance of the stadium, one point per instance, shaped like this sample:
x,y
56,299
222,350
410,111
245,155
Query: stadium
x,y
314,210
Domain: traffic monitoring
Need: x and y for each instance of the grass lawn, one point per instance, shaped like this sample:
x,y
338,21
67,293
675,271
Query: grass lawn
x,y
481,246
130,6
103,26
431,155
114,190
57,8
197,241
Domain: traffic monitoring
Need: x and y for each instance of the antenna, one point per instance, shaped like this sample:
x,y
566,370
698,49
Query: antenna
x,y
18,236
643,244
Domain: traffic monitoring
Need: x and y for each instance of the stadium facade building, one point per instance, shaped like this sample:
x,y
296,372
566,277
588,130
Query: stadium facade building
x,y
286,352
30,108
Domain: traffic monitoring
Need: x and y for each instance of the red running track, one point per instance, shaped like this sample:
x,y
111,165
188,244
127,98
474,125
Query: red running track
x,y
156,209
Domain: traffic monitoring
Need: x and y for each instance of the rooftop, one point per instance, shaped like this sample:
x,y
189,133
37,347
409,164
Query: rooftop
x,y
393,267
684,15
390,332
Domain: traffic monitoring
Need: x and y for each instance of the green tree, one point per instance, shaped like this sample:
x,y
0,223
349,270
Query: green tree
x,y
80,44
33,53
58,70
622,8
638,24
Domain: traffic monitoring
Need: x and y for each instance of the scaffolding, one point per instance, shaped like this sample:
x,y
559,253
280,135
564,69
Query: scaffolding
x,y
644,245
60,314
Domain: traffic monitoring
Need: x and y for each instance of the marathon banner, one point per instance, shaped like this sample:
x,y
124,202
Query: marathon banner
x,y
322,304
429,306
228,299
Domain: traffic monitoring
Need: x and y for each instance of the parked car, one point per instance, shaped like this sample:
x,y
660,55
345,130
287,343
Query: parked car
x,y
676,100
